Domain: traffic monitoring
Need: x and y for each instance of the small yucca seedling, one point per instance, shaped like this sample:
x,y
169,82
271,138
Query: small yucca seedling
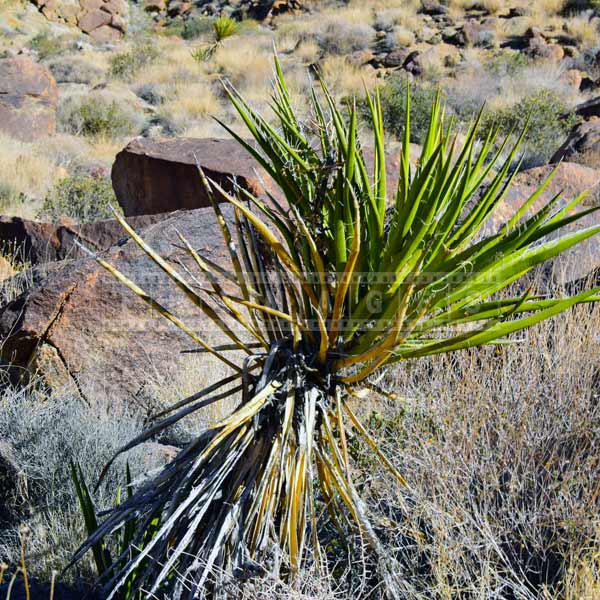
x,y
200,54
225,27
329,284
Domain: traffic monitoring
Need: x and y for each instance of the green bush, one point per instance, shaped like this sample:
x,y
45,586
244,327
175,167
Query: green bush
x,y
549,123
83,198
194,28
97,116
393,102
46,45
125,65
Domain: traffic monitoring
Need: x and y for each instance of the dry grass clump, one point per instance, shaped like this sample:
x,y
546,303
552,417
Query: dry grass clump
x,y
16,274
503,81
549,7
456,8
191,102
583,578
45,434
402,14
26,173
493,6
340,37
583,30
403,36
247,64
344,78
500,448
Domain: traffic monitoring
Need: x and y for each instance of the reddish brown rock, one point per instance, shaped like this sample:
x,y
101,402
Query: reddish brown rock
x,y
589,108
46,242
542,50
89,5
28,99
583,141
160,175
93,20
107,339
479,34
574,78
108,33
153,175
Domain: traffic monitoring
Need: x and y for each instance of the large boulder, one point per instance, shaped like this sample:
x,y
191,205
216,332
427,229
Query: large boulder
x,y
589,108
34,242
583,140
85,330
157,175
570,181
28,99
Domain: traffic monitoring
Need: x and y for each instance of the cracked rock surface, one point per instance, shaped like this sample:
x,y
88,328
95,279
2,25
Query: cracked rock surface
x,y
83,328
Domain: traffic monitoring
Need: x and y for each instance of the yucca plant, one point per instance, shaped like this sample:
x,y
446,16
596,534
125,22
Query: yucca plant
x,y
223,28
331,281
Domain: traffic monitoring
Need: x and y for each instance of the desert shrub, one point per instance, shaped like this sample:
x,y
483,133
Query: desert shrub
x,y
74,70
500,460
393,101
578,5
194,28
97,116
125,65
83,198
339,37
46,45
549,123
151,93
45,433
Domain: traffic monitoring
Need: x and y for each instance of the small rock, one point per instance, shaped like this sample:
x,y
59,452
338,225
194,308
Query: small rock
x,y
574,77
413,64
540,49
360,57
534,33
107,33
432,7
154,6
178,7
584,139
93,20
588,84
588,109
395,59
